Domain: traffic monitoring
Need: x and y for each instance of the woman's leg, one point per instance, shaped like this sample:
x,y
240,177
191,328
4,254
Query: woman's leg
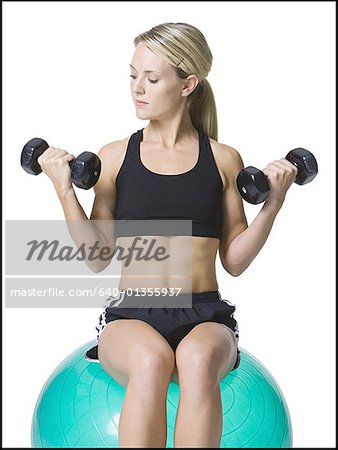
x,y
141,360
203,358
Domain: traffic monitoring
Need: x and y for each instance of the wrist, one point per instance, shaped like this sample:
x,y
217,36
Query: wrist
x,y
64,192
272,206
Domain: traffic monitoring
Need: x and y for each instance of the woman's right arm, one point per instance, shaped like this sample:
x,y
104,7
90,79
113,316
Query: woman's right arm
x,y
98,230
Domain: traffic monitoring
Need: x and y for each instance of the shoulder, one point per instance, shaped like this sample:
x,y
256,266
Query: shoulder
x,y
113,149
228,160
112,155
225,152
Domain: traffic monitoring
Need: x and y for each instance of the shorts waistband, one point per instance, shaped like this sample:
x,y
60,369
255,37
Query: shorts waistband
x,y
209,296
197,297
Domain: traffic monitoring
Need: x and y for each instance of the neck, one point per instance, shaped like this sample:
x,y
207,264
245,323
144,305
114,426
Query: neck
x,y
171,132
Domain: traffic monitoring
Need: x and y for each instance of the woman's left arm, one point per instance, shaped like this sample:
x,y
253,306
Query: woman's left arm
x,y
241,243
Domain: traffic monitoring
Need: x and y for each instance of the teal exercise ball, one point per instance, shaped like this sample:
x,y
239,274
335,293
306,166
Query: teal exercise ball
x,y
79,406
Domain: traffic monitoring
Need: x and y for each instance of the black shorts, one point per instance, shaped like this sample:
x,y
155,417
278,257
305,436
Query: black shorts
x,y
173,323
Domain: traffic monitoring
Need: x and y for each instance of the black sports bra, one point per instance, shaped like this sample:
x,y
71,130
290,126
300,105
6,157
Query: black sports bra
x,y
193,196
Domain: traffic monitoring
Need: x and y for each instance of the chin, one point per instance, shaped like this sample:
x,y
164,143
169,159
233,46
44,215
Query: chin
x,y
142,115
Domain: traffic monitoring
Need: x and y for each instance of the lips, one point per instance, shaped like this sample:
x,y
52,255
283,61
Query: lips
x,y
140,102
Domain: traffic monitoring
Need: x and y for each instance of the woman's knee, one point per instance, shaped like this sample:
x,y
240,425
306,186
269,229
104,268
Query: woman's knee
x,y
194,358
152,363
200,367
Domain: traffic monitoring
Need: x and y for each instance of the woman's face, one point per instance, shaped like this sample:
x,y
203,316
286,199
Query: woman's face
x,y
155,82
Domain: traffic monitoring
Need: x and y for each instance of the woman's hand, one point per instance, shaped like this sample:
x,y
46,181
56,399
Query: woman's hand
x,y
55,164
280,174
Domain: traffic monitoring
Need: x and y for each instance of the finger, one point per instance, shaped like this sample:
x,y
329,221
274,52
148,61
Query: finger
x,y
287,162
69,157
54,154
60,154
290,168
274,167
293,168
51,152
48,152
271,172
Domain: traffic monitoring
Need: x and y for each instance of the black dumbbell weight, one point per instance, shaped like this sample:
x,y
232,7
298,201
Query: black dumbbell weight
x,y
85,169
254,187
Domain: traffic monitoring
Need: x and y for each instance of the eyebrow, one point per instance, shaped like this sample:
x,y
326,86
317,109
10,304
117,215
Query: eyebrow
x,y
146,71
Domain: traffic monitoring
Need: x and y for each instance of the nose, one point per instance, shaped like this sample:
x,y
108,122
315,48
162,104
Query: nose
x,y
138,87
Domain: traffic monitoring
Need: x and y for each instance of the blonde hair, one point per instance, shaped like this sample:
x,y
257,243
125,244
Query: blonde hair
x,y
185,48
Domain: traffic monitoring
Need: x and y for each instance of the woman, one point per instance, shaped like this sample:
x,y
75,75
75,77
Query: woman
x,y
173,168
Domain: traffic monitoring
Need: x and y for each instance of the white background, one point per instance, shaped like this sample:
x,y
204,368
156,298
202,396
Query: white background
x,y
66,79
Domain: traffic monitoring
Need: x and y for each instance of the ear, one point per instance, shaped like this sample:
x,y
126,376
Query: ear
x,y
190,84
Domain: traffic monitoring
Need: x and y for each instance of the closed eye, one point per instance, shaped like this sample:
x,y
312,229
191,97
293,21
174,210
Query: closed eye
x,y
151,81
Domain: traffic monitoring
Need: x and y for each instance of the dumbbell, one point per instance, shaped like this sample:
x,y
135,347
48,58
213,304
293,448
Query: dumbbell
x,y
253,185
85,169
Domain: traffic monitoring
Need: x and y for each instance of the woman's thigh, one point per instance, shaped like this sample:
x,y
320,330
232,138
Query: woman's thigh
x,y
128,345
